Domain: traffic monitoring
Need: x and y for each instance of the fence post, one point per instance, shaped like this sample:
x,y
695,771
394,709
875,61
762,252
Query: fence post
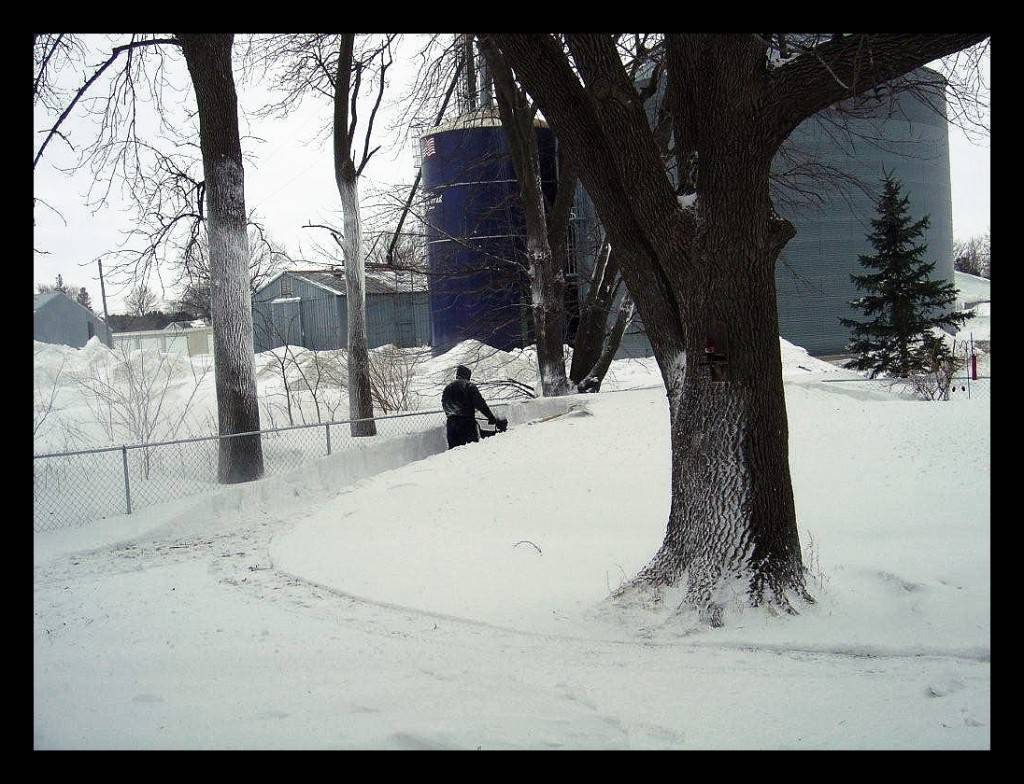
x,y
127,487
967,349
328,427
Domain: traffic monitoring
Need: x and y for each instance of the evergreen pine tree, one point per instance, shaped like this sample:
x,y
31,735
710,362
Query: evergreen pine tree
x,y
902,303
83,298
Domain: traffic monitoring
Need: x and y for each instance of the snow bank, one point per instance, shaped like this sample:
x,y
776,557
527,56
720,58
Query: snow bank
x,y
557,515
531,530
316,481
797,362
971,288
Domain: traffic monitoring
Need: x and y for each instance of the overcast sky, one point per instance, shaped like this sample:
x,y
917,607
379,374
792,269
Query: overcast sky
x,y
290,182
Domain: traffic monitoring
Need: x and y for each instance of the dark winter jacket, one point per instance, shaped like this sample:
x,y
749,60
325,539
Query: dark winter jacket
x,y
461,398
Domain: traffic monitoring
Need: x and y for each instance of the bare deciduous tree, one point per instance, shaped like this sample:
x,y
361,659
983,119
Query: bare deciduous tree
x,y
346,173
547,225
209,62
140,300
330,65
974,256
698,256
169,194
128,396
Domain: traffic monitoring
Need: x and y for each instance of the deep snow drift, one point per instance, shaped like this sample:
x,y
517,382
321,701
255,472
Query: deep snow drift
x,y
461,600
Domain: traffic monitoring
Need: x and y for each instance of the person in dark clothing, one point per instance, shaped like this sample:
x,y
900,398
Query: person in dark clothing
x,y
461,400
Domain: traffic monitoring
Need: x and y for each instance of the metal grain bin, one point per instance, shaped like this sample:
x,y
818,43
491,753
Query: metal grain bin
x,y
906,135
479,287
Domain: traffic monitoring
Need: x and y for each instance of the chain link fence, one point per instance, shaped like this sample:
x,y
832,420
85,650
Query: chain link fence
x,y
962,388
73,488
971,389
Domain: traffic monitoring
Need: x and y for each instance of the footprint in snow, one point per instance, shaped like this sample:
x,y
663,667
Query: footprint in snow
x,y
945,686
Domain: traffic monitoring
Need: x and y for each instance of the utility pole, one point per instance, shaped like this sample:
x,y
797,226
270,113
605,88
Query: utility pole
x,y
103,291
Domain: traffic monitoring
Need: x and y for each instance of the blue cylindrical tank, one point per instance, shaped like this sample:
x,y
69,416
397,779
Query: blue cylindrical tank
x,y
479,285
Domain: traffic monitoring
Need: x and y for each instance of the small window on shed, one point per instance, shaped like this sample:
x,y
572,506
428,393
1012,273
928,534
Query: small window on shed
x,y
88,325
286,286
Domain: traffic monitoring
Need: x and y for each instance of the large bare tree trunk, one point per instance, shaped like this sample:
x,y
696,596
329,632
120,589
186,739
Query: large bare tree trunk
x,y
360,397
209,62
732,514
545,233
702,272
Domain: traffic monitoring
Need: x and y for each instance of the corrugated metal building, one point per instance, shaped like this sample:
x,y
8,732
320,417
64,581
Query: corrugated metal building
x,y
308,308
172,339
59,319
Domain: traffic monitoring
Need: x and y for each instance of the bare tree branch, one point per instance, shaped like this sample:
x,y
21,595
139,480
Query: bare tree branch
x,y
848,66
114,55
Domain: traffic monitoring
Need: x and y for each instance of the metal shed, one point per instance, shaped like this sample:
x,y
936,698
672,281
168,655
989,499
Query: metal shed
x,y
59,319
172,339
308,308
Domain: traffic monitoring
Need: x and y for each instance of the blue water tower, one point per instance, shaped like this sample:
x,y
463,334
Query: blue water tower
x,y
476,246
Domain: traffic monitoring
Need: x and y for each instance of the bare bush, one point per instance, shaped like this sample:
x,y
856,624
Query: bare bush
x,y
44,395
391,374
941,365
278,363
321,373
128,396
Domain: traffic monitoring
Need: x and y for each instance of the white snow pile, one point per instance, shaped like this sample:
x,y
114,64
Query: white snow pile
x,y
460,599
972,288
797,362
979,327
95,396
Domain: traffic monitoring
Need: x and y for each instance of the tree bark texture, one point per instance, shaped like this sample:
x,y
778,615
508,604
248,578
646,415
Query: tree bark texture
x,y
703,277
613,339
209,62
592,337
360,397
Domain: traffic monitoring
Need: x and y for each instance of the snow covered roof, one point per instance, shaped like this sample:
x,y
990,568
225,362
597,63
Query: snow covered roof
x,y
478,118
179,325
336,282
377,281
43,299
972,289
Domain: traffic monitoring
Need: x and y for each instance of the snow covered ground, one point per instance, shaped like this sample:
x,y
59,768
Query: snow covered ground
x,y
459,599
972,288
